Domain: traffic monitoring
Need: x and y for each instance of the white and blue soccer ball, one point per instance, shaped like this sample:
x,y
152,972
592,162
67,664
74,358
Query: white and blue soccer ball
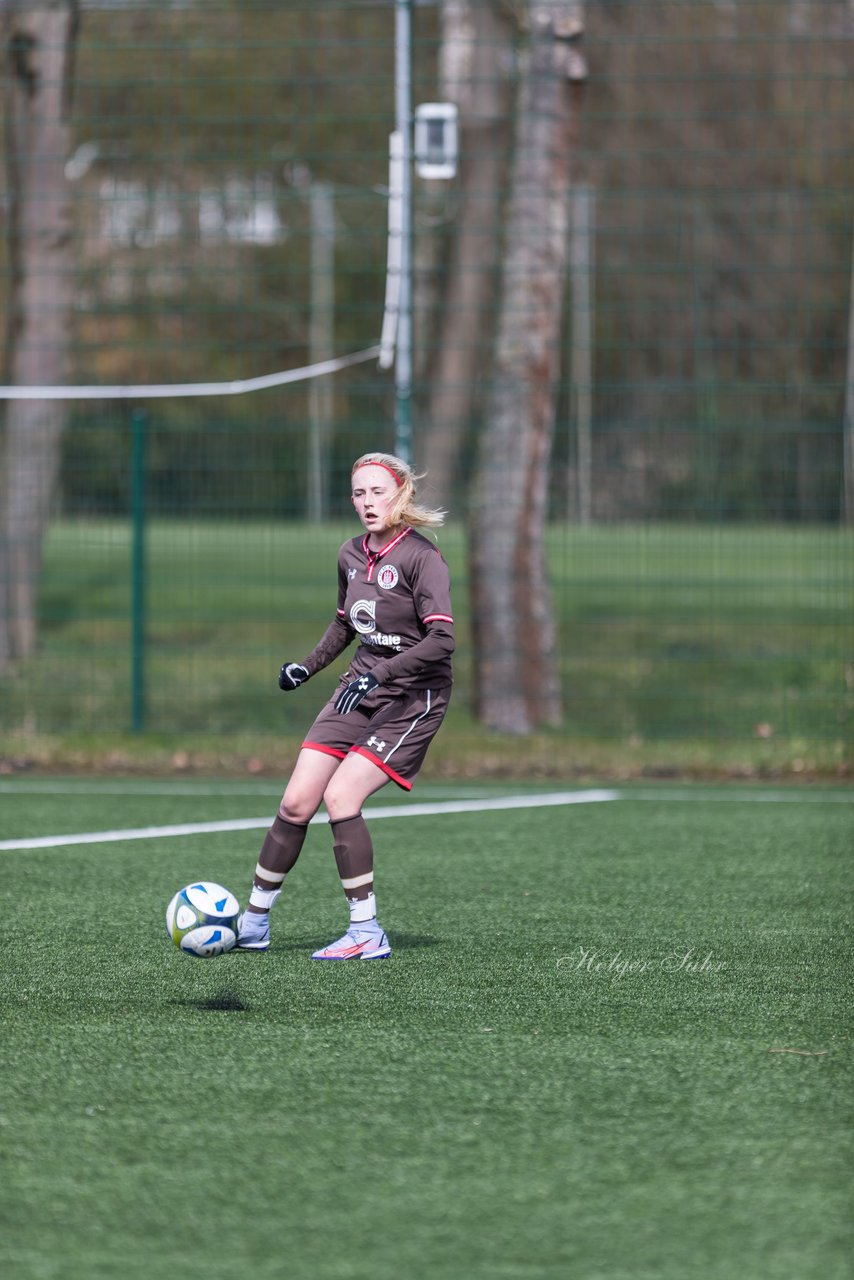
x,y
202,919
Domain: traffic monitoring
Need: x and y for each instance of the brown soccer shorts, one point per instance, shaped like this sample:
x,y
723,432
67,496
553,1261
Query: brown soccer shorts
x,y
391,727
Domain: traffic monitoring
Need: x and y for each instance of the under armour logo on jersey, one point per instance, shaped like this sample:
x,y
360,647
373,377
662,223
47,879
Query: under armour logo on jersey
x,y
351,573
376,744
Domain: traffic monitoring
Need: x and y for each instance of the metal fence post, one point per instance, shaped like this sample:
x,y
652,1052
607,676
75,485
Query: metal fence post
x,y
139,428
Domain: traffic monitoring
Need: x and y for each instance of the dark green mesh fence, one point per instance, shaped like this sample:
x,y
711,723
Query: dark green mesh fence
x,y
229,185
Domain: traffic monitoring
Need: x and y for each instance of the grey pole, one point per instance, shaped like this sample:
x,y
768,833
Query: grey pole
x,y
403,114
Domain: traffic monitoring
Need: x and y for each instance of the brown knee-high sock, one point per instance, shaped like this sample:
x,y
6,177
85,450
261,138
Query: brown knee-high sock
x,y
354,857
279,852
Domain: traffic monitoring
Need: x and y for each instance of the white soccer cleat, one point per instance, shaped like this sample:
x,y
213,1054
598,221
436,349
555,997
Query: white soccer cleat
x,y
356,944
253,931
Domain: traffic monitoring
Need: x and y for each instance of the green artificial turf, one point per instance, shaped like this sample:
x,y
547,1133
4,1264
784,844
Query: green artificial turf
x,y
612,1042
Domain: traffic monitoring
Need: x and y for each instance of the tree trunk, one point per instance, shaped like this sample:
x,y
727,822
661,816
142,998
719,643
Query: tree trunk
x,y
517,683
38,39
476,72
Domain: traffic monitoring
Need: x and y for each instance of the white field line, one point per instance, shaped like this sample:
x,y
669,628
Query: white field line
x,y
428,809
689,792
143,787
740,797
736,795
431,809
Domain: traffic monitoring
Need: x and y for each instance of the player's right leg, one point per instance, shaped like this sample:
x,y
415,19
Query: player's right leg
x,y
283,843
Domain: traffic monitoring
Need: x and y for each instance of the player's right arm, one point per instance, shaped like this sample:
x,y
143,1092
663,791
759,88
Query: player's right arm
x,y
335,639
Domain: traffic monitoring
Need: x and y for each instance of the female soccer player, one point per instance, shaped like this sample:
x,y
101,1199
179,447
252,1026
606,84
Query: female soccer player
x,y
394,595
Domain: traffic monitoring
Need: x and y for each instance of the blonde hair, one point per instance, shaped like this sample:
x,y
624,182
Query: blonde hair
x,y
404,510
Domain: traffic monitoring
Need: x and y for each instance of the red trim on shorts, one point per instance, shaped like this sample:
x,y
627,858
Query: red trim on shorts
x,y
327,751
381,764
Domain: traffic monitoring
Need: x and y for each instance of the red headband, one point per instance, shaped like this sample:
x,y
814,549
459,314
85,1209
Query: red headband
x,y
397,479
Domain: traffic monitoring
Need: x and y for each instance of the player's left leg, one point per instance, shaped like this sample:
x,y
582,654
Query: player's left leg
x,y
353,782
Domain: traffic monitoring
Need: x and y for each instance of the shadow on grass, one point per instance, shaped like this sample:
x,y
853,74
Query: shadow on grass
x,y
223,1002
227,1002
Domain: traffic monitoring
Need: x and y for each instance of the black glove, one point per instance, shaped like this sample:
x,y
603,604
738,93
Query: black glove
x,y
292,675
353,693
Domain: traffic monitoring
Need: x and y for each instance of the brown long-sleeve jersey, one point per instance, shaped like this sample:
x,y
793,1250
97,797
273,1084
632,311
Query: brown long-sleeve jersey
x,y
398,602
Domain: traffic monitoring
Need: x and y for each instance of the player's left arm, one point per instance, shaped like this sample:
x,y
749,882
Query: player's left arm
x,y
431,597
437,644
